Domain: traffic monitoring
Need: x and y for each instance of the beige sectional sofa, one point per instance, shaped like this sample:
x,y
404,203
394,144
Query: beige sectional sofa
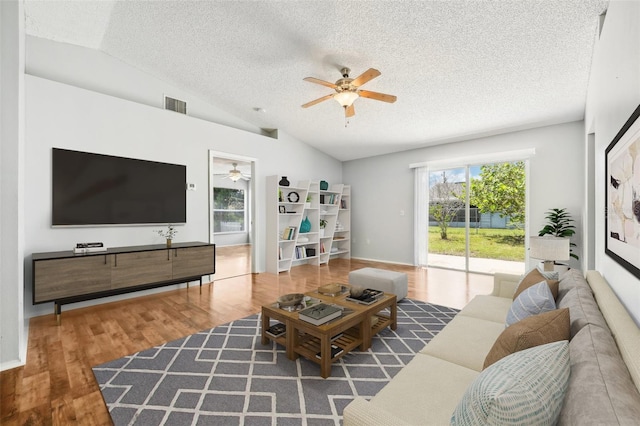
x,y
604,354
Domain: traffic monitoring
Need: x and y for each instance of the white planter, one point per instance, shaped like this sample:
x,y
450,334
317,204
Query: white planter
x,y
321,232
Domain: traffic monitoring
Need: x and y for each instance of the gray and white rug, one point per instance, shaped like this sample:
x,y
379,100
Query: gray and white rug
x,y
225,376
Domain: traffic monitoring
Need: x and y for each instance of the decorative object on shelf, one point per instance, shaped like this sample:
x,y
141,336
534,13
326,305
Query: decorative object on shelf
x,y
622,198
280,198
293,197
549,249
170,232
282,209
323,225
559,225
284,181
305,225
324,185
307,204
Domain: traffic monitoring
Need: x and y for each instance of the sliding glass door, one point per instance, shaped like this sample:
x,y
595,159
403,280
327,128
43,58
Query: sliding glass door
x,y
476,216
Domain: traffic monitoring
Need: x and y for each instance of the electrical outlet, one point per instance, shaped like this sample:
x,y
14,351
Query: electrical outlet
x,y
191,186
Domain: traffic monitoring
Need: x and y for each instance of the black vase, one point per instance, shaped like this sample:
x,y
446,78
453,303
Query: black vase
x,y
283,181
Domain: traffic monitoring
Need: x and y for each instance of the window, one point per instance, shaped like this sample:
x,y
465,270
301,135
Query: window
x,y
228,210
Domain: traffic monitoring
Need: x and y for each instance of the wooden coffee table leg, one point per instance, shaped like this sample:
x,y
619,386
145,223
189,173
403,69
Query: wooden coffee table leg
x,y
325,356
292,340
365,332
265,326
393,310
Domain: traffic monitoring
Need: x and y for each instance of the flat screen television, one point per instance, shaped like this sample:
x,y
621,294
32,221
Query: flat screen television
x,y
97,189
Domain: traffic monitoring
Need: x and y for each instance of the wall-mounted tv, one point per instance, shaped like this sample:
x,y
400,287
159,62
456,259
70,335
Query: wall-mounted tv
x,y
96,189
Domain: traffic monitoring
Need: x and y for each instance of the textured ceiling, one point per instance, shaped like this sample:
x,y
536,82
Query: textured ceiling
x,y
460,69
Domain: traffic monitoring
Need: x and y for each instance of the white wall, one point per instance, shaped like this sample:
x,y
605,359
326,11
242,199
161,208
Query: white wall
x,y
614,94
383,186
96,71
12,326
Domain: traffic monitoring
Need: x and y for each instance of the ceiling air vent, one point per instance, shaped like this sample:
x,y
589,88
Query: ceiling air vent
x,y
175,105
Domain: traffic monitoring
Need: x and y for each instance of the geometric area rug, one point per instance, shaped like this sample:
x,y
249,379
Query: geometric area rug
x,y
225,376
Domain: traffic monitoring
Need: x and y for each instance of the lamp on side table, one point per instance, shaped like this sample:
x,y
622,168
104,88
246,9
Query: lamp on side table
x,y
549,249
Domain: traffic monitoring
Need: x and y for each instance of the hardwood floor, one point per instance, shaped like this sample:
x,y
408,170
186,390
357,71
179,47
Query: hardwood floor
x,y
57,386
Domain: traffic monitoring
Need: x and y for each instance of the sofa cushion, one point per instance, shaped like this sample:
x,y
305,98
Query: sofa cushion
x,y
526,387
465,341
413,390
600,388
573,278
534,277
583,309
490,308
532,301
532,331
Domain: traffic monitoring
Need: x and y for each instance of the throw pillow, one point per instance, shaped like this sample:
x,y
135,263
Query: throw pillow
x,y
533,301
526,387
532,331
533,278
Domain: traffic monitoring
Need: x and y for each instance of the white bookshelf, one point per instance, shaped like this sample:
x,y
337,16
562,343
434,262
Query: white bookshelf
x,y
288,206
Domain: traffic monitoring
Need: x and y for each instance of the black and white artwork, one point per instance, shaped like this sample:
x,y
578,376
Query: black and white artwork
x,y
622,173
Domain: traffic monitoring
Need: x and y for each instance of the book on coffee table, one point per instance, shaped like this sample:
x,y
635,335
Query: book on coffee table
x,y
335,351
319,314
367,297
276,330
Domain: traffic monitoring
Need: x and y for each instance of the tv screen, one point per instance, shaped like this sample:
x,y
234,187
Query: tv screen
x,y
96,189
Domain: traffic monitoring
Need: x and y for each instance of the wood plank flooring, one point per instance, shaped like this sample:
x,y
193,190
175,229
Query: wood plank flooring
x,y
57,386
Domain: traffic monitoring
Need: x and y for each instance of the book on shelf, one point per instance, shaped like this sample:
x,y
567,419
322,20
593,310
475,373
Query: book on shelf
x,y
367,297
289,232
276,330
84,250
320,314
335,351
89,245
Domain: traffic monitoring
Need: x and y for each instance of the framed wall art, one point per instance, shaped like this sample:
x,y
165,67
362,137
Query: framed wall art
x,y
622,196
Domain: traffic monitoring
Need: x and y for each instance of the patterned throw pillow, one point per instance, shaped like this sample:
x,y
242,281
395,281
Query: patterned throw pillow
x,y
526,387
535,330
533,301
534,277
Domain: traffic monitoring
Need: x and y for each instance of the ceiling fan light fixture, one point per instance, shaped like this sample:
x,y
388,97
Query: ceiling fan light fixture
x,y
346,98
235,174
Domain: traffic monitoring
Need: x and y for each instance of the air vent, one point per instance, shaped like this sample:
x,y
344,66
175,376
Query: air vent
x,y
175,105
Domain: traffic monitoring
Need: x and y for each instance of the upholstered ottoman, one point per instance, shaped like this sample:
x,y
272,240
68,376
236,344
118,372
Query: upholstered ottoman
x,y
381,279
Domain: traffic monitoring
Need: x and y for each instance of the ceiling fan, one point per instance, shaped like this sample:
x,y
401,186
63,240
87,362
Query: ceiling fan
x,y
234,174
348,90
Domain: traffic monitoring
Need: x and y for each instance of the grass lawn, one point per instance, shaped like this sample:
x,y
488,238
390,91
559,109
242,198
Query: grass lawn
x,y
503,244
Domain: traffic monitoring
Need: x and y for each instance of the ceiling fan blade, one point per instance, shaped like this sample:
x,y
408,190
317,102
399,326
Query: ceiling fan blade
x,y
350,111
369,74
317,101
377,96
318,81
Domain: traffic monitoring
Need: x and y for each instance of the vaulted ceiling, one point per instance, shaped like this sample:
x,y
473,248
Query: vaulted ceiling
x,y
460,69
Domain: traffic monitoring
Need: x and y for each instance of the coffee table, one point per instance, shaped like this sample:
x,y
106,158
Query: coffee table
x,y
358,325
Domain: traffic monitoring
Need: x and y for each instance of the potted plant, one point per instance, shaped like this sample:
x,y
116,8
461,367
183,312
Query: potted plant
x,y
168,234
308,202
323,225
559,224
